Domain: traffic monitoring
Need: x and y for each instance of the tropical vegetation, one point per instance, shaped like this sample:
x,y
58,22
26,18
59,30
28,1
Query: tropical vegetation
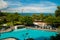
x,y
57,37
12,19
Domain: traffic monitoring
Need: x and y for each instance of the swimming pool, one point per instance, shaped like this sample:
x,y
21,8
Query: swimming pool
x,y
22,34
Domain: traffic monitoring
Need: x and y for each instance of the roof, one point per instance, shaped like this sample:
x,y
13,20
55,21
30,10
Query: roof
x,y
38,20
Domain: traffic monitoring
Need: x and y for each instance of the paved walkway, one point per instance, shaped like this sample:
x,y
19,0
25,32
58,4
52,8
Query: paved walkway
x,y
10,39
7,30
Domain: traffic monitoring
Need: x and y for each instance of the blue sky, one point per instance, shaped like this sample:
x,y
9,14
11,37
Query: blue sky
x,y
29,6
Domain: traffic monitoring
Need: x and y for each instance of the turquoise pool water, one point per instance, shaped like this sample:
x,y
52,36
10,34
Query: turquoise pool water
x,y
22,34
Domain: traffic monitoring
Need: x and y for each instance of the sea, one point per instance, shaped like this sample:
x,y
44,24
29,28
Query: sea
x,y
30,14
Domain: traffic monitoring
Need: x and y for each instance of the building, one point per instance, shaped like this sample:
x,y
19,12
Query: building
x,y
41,24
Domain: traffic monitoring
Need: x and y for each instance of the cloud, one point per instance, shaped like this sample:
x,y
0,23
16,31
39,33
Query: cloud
x,y
41,7
43,4
32,9
3,4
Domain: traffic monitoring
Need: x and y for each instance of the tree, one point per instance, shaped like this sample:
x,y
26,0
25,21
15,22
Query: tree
x,y
28,20
51,20
16,16
41,16
35,17
1,14
57,37
58,21
57,12
21,19
9,17
1,20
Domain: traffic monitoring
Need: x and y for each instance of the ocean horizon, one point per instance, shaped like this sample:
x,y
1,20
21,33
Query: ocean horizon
x,y
30,14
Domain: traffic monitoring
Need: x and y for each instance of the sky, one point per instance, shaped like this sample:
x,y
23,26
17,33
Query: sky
x,y
29,6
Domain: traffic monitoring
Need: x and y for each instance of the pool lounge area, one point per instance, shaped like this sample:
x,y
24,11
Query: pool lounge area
x,y
25,33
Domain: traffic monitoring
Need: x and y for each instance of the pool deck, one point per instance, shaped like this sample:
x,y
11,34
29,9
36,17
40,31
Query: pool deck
x,y
10,29
7,30
43,29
